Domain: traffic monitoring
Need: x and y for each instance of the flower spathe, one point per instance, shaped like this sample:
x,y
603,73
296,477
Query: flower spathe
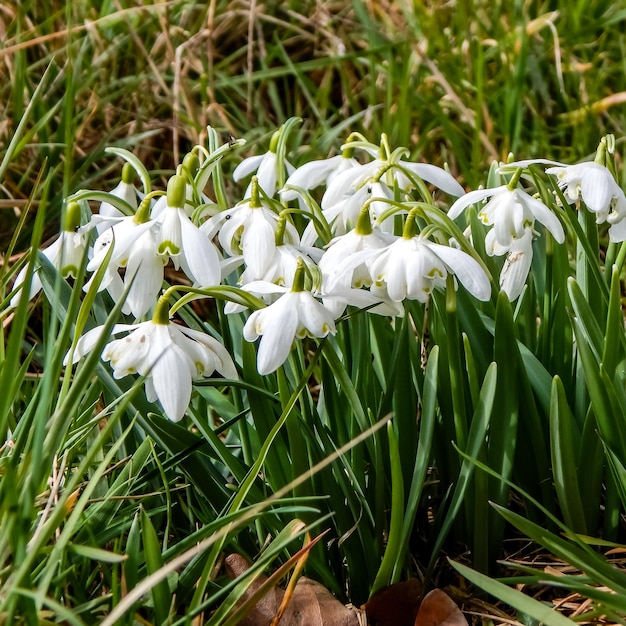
x,y
169,355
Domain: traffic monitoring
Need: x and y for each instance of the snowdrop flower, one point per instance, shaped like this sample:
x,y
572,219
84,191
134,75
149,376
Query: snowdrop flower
x,y
344,260
135,249
296,313
169,355
266,168
392,171
510,211
594,184
249,229
181,240
516,265
125,190
66,254
315,173
281,268
412,266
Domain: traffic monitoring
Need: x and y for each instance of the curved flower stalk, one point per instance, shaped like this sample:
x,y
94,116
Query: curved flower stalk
x,y
66,254
135,249
170,356
413,266
181,240
295,314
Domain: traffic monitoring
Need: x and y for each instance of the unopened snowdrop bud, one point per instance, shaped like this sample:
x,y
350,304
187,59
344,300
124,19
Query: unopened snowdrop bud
x,y
125,190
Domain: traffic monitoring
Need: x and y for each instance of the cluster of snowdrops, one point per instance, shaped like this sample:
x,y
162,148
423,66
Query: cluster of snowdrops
x,y
364,229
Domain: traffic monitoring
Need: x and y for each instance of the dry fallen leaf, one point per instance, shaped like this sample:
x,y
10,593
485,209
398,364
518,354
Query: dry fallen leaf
x,y
438,609
311,604
396,605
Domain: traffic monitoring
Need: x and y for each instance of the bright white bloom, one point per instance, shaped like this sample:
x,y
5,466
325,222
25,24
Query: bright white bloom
x,y
595,185
169,355
294,314
511,212
135,249
66,254
181,240
391,174
345,261
266,168
249,229
412,267
517,263
315,173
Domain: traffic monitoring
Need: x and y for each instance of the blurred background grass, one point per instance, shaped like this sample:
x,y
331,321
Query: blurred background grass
x,y
458,82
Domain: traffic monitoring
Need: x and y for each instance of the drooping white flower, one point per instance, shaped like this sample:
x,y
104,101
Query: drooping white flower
x,y
519,255
315,173
169,355
510,212
344,260
595,185
412,267
181,240
266,168
391,170
125,190
249,229
135,249
295,314
65,253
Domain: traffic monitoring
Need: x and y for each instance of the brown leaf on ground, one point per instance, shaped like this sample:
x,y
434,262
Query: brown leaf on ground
x,y
438,609
311,604
264,610
397,605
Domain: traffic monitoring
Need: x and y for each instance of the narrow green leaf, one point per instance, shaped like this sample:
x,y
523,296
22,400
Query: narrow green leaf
x,y
563,447
539,611
161,597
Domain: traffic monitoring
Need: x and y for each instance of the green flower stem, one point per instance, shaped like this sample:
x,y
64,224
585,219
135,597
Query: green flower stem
x,y
394,541
221,292
142,214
